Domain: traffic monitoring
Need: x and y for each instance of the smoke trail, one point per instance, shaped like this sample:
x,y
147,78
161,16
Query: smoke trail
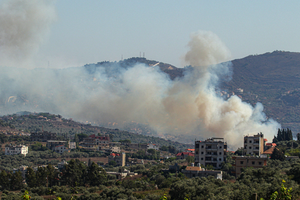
x,y
23,25
230,118
185,107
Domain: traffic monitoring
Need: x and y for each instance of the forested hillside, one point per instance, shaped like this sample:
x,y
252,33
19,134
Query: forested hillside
x,y
36,122
270,78
273,80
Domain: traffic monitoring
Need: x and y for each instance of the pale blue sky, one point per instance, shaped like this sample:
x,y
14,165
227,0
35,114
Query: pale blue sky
x,y
94,30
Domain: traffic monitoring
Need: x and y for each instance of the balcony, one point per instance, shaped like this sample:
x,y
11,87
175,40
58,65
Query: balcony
x,y
211,161
212,149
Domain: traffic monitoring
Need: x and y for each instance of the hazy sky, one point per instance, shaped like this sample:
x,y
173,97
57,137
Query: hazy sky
x,y
95,30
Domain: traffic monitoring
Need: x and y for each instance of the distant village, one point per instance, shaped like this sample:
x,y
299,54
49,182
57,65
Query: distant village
x,y
208,155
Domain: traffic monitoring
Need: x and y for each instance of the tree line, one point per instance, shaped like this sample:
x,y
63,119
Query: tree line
x,y
75,173
283,135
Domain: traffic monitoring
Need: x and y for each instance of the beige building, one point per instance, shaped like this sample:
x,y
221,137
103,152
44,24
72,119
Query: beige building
x,y
254,145
18,149
192,171
244,162
210,152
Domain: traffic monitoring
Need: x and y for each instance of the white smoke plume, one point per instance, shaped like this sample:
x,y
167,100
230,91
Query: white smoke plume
x,y
188,107
23,26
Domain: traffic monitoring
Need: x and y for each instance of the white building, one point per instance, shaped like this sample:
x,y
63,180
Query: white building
x,y
254,145
18,149
152,146
72,145
60,149
210,152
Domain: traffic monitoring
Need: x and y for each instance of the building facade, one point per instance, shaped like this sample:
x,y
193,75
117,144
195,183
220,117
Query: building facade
x,y
18,149
96,142
254,145
43,136
60,149
193,171
242,162
51,144
210,152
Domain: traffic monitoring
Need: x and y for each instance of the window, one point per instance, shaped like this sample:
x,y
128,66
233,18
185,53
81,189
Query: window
x,y
259,163
250,141
202,146
201,158
220,153
253,163
250,147
197,146
220,159
202,152
242,162
220,147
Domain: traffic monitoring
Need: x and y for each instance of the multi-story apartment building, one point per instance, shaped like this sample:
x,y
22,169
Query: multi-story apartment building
x,y
210,152
254,145
94,142
43,136
18,149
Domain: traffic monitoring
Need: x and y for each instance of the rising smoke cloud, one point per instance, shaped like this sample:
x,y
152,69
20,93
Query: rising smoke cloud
x,y
188,107
23,26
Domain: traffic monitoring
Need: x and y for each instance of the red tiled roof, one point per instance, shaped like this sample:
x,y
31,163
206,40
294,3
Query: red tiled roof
x,y
115,154
269,151
271,144
185,153
190,149
265,140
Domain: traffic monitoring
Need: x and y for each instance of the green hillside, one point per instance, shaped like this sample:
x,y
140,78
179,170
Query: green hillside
x,y
36,122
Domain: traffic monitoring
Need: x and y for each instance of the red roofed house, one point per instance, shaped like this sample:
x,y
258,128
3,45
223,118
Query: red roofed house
x,y
184,155
119,158
190,150
269,145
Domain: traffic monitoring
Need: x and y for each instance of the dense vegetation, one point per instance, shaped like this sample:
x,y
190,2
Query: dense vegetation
x,y
67,128
91,182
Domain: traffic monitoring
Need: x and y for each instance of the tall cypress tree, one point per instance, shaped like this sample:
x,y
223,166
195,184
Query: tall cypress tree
x,y
290,135
16,181
31,178
96,175
4,180
298,137
279,135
